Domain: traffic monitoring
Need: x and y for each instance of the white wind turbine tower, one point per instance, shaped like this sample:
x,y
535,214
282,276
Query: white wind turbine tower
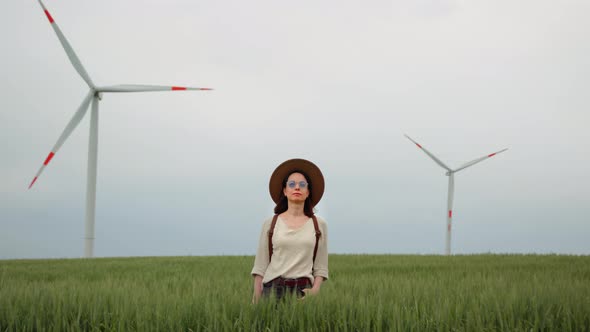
x,y
94,95
451,173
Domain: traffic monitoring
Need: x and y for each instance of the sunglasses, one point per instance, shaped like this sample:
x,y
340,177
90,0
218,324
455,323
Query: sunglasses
x,y
292,184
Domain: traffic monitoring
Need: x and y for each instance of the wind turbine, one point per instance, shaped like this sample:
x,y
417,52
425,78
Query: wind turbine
x,y
451,174
94,95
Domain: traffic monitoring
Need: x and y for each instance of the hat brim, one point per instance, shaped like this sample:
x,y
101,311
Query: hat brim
x,y
314,174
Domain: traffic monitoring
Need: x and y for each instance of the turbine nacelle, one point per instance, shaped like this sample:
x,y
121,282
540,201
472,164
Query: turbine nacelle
x,y
97,94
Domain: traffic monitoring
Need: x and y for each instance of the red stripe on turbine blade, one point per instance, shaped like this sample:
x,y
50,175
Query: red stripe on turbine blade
x,y
177,88
35,179
420,146
49,16
450,213
51,154
493,154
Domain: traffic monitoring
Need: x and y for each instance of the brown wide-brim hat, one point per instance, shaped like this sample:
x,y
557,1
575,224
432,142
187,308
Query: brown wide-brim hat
x,y
312,172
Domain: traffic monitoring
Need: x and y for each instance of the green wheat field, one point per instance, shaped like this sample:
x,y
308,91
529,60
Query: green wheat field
x,y
364,293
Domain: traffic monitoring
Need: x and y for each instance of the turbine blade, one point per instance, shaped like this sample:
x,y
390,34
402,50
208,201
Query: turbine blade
x,y
68,48
144,88
436,160
66,133
475,161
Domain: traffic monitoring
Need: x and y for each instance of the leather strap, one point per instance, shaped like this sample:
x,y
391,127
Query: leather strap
x,y
317,236
270,233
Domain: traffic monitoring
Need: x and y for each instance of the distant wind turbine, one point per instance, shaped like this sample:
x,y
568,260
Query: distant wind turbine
x,y
450,173
94,95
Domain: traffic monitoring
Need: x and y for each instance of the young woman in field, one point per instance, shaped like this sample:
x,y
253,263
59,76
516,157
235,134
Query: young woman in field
x,y
292,254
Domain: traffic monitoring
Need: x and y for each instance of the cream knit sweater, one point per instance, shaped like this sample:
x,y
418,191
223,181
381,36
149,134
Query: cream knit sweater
x,y
292,252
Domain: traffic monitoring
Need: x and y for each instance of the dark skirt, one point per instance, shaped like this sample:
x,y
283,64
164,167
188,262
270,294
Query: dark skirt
x,y
281,287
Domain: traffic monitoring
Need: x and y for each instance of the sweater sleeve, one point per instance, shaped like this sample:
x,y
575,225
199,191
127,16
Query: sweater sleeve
x,y
261,261
320,266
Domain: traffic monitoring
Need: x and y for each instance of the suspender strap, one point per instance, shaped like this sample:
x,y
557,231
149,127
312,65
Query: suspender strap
x,y
318,234
270,233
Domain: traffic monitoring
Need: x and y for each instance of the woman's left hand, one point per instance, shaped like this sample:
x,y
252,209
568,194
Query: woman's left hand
x,y
311,291
315,289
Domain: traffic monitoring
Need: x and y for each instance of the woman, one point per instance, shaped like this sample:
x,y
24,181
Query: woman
x,y
292,254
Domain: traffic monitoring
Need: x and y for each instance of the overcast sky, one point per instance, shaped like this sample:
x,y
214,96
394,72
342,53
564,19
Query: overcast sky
x,y
335,82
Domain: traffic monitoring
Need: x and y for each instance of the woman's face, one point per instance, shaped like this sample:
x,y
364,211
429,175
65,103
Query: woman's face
x,y
294,190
